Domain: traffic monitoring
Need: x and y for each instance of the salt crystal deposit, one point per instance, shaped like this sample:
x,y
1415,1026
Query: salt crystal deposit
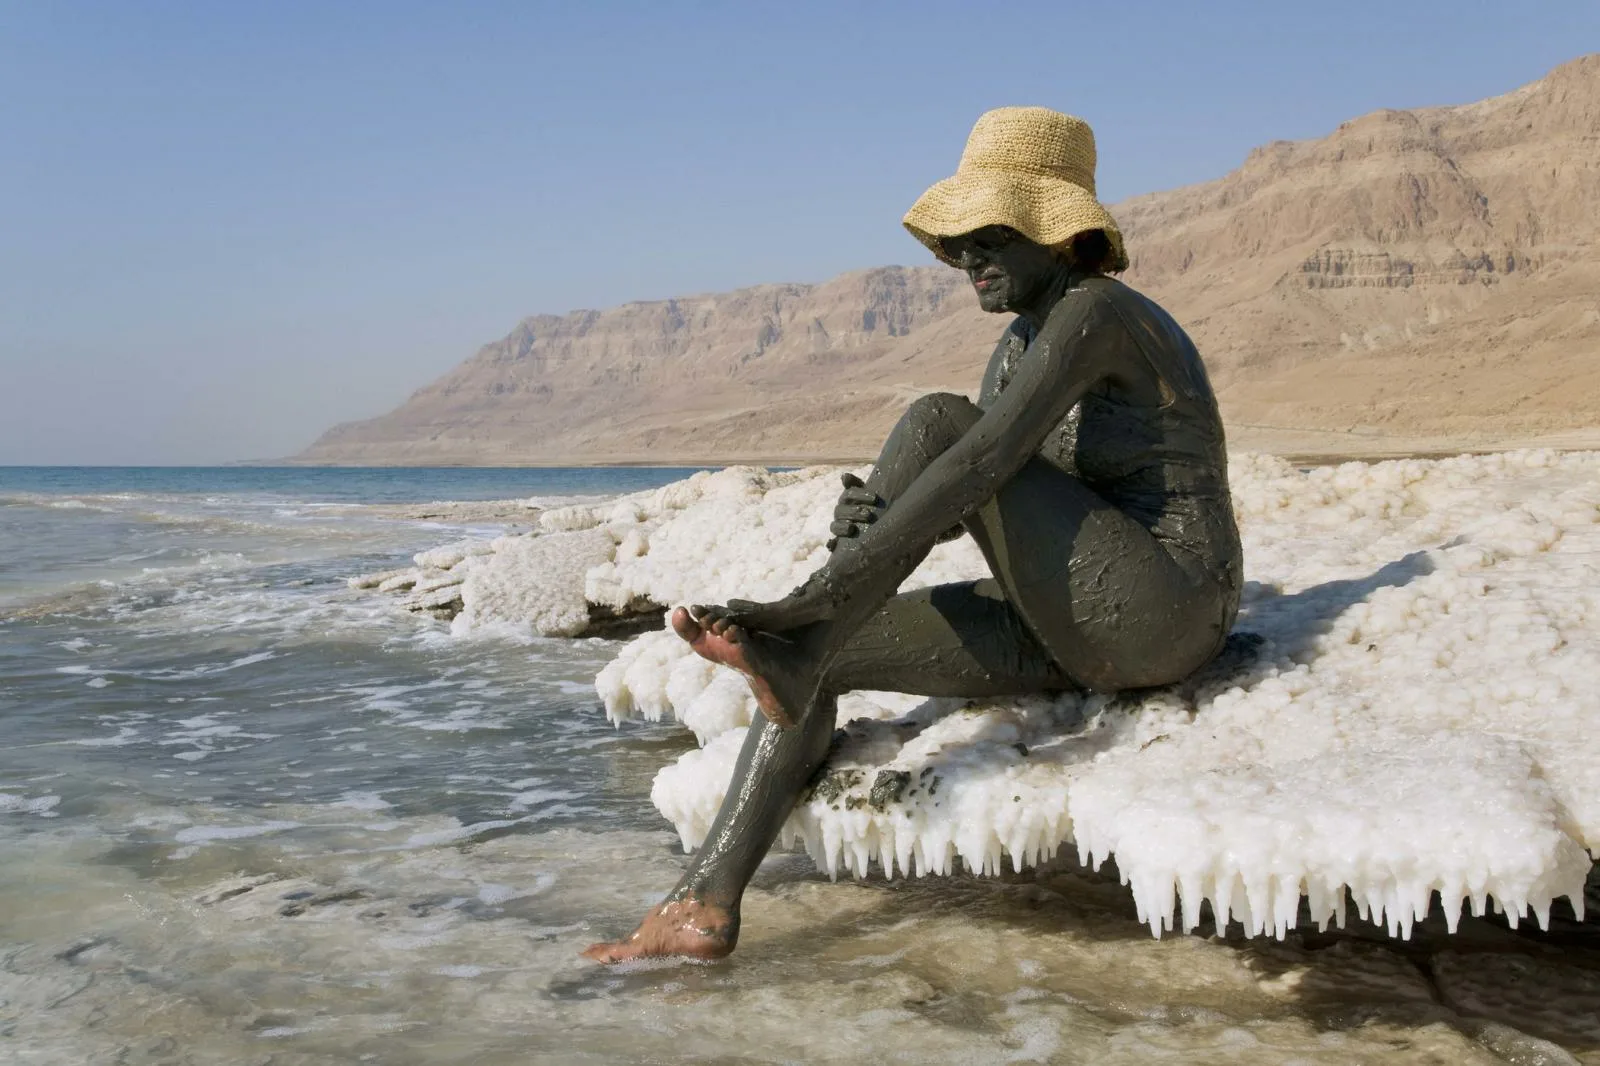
x,y
741,531
1419,716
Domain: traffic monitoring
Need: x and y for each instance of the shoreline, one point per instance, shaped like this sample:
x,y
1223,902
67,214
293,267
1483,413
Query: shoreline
x,y
789,462
1300,447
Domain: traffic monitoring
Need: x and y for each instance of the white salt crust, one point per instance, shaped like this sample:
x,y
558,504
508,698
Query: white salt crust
x,y
1422,718
714,536
537,581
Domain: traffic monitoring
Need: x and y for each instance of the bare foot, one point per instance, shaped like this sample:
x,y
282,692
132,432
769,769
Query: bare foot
x,y
688,927
777,686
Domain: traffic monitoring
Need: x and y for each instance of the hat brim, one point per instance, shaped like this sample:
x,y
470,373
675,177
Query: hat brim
x,y
1048,211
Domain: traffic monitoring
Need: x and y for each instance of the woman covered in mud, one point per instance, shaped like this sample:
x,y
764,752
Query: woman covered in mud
x,y
1091,473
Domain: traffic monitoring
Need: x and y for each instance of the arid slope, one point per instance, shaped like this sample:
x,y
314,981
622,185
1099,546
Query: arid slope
x,y
1415,281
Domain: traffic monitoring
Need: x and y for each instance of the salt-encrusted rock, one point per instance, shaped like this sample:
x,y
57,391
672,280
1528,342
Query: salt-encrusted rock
x,y
532,583
438,579
743,532
403,581
1420,720
433,569
738,531
372,581
449,555
442,602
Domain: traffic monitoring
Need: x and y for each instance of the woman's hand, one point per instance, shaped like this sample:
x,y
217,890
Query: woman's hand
x,y
858,508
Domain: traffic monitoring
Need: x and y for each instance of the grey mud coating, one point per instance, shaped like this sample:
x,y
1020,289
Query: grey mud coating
x,y
1092,474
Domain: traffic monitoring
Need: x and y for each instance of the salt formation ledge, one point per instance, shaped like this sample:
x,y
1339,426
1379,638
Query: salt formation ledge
x,y
1418,714
623,557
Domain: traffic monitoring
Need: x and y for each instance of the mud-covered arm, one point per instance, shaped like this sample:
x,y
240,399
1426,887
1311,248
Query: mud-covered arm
x,y
858,507
1013,342
1074,350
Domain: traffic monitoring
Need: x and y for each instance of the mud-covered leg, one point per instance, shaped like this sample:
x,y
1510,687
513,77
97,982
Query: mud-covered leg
x,y
785,647
1113,606
926,431
700,917
1082,596
964,640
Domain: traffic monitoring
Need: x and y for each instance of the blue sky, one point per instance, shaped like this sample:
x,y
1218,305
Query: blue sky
x,y
225,226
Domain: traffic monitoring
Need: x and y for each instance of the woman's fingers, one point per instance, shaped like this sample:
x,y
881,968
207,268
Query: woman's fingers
x,y
863,515
845,529
858,506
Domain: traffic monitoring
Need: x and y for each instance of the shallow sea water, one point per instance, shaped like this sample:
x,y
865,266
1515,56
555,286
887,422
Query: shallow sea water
x,y
248,815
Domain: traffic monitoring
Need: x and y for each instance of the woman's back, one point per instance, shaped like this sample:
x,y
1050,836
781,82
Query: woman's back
x,y
1148,438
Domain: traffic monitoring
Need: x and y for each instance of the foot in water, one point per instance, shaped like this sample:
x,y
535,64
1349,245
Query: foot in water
x,y
780,674
688,927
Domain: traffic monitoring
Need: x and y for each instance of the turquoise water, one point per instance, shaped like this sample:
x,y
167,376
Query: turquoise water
x,y
339,484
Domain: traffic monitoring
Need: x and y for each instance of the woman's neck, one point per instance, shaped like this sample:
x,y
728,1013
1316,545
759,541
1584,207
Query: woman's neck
x,y
1039,305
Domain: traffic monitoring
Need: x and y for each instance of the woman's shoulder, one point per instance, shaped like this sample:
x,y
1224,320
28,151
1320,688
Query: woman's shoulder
x,y
1119,296
1101,288
1170,350
1088,305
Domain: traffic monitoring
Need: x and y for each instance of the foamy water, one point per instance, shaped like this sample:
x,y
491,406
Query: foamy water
x,y
250,815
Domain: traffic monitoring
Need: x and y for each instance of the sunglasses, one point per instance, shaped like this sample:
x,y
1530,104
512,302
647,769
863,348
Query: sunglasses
x,y
985,239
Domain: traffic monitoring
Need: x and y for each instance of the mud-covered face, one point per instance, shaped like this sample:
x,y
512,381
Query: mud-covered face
x,y
1008,270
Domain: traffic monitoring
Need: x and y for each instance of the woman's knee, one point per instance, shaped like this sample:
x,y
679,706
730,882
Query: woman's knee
x,y
941,418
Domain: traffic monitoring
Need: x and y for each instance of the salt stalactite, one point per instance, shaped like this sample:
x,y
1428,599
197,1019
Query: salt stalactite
x,y
656,676
1417,724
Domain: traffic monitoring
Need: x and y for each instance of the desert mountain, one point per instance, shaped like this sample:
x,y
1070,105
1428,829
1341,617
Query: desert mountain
x,y
1416,280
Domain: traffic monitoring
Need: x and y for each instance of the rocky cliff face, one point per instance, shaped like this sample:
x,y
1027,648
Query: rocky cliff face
x,y
624,382
1414,279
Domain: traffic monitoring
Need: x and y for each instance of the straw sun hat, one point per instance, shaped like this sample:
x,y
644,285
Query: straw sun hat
x,y
1029,168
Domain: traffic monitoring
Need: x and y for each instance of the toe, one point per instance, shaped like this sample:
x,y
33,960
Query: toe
x,y
684,624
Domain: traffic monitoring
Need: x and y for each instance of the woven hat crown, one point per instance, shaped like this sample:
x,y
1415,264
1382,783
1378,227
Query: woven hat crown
x,y
1032,140
1029,168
